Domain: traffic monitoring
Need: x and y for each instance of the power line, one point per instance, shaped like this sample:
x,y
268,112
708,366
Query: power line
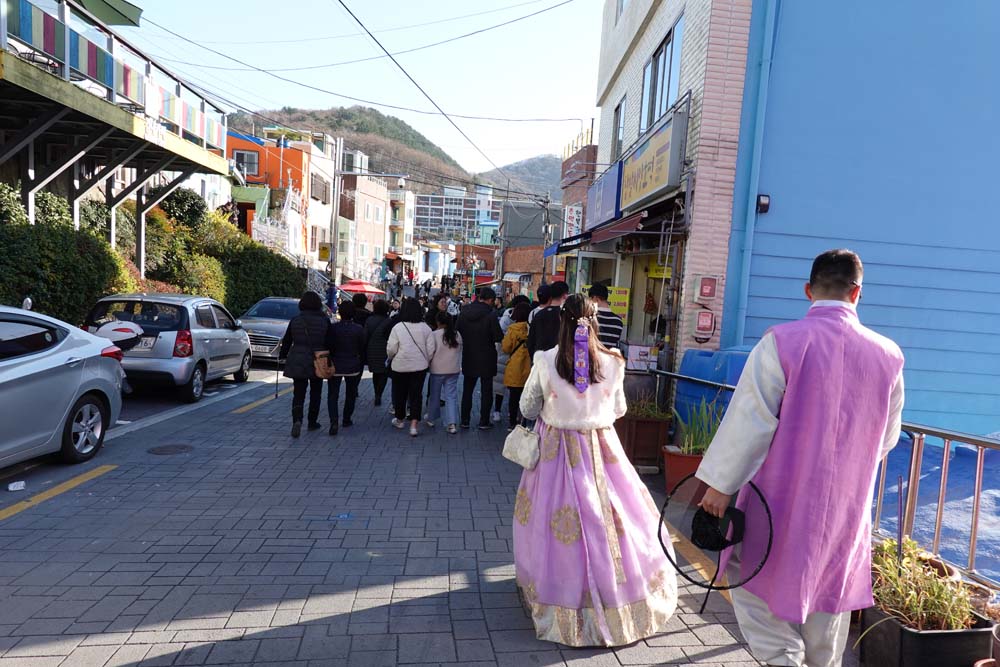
x,y
355,34
370,58
421,89
326,91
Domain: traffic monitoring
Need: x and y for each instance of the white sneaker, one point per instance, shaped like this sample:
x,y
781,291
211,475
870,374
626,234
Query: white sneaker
x,y
398,423
495,417
429,423
452,429
413,430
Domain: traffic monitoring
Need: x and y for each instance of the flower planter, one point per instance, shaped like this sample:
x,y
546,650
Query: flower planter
x,y
642,438
677,465
890,644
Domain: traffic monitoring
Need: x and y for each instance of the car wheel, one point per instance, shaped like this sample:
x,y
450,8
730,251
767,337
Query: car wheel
x,y
243,374
193,390
84,431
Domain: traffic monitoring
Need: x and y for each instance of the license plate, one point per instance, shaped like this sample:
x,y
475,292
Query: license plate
x,y
264,349
147,343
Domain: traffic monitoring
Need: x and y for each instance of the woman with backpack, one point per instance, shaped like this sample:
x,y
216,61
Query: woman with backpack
x,y
407,348
515,346
444,348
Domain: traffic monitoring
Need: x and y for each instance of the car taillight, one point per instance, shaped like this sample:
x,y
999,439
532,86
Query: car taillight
x,y
114,352
183,344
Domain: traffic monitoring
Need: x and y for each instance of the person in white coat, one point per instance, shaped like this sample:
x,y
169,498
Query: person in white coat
x,y
407,348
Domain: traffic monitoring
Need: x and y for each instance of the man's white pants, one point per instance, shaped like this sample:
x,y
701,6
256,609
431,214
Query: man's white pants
x,y
819,642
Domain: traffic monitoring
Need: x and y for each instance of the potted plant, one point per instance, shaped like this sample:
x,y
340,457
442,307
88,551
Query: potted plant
x,y
919,619
643,429
694,435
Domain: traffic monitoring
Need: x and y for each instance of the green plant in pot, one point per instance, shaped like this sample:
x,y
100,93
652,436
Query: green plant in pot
x,y
920,619
644,429
694,435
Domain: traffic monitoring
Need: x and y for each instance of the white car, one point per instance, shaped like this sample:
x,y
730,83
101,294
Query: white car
x,y
60,388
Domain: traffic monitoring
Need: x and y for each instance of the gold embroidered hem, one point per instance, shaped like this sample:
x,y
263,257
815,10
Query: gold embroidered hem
x,y
581,627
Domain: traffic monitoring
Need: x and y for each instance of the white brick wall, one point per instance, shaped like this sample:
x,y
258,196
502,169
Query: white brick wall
x,y
713,62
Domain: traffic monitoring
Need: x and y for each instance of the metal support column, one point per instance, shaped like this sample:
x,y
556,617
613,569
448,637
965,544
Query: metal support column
x,y
144,206
32,183
28,134
27,176
140,224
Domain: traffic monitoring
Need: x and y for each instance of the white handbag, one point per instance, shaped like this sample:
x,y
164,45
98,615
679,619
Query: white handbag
x,y
521,447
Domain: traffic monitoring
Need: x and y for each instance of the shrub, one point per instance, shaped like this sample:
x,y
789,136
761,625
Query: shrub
x,y
186,207
43,262
11,210
254,272
217,236
95,218
51,209
202,275
166,245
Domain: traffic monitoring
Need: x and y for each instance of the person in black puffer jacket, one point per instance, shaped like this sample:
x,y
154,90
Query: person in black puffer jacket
x,y
306,334
480,329
346,342
376,337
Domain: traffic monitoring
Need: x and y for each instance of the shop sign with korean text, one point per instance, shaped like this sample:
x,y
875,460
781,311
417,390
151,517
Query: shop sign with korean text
x,y
617,300
654,166
573,217
602,198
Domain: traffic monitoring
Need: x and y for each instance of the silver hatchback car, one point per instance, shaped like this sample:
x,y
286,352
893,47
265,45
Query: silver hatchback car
x,y
60,388
186,341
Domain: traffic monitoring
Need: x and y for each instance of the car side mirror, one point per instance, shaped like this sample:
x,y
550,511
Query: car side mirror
x,y
238,325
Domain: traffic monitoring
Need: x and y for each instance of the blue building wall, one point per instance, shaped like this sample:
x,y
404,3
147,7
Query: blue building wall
x,y
880,134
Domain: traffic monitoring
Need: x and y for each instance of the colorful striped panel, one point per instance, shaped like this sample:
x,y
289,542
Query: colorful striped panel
x,y
169,107
91,60
129,82
33,26
214,133
194,120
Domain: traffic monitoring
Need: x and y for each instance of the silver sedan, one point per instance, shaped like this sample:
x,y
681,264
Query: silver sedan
x,y
60,388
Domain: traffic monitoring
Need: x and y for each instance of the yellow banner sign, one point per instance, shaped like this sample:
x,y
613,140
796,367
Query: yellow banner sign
x,y
656,163
617,300
660,271
324,252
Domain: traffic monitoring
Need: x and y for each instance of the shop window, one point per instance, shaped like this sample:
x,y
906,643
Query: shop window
x,y
661,78
618,127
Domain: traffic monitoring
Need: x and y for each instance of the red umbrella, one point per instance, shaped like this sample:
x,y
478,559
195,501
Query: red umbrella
x,y
360,287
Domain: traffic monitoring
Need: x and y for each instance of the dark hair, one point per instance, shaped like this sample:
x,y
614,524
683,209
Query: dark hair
x,y
381,307
346,310
836,272
447,322
487,294
310,301
578,307
359,300
520,298
599,291
438,298
521,312
559,289
410,311
544,294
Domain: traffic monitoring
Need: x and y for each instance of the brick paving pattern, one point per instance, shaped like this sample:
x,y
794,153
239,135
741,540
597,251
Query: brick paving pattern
x,y
368,549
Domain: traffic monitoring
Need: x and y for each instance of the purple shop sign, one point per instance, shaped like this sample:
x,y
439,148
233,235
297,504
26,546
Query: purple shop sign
x,y
603,198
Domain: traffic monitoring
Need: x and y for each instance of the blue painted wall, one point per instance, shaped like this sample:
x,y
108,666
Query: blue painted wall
x,y
881,135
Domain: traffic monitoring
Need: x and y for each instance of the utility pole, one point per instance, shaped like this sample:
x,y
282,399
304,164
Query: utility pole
x,y
335,215
546,232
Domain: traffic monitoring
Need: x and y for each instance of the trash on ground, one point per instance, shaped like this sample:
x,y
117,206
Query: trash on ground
x,y
16,486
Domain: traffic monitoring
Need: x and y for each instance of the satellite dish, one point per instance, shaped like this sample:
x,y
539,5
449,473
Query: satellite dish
x,y
26,304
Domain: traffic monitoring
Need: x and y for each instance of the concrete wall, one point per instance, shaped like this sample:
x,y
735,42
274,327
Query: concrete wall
x,y
879,134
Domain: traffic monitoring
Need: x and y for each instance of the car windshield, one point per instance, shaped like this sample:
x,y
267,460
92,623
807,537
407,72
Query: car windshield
x,y
274,310
153,317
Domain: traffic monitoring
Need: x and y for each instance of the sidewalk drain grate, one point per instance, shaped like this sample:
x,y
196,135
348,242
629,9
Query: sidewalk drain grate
x,y
170,450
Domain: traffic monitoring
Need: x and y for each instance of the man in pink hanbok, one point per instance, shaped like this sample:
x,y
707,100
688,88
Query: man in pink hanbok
x,y
818,406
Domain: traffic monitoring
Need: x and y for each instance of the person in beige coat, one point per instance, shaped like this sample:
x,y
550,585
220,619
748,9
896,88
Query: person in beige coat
x,y
407,348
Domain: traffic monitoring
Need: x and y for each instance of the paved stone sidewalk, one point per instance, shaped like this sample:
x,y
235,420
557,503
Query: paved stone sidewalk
x,y
368,549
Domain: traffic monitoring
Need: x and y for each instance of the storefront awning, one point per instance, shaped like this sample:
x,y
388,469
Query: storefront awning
x,y
627,225
573,243
391,255
551,250
514,277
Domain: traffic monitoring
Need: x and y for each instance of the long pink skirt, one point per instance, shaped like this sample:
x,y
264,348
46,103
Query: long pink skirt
x,y
590,567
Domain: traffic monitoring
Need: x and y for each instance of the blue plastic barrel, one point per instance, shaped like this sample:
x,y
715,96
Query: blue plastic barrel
x,y
722,366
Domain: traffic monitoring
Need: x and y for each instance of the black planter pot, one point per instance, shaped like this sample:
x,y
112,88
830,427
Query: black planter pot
x,y
889,644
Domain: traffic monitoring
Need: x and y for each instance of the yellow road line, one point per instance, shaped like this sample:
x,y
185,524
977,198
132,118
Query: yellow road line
x,y
695,556
256,404
40,498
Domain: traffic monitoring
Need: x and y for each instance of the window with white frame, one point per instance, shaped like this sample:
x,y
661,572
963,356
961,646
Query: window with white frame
x,y
312,239
378,253
661,78
618,127
248,162
620,6
363,249
368,211
378,214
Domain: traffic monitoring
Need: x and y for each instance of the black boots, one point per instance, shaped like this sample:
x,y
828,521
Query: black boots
x,y
296,429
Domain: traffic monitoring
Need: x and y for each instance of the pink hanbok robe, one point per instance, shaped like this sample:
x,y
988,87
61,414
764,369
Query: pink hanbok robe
x,y
818,406
589,564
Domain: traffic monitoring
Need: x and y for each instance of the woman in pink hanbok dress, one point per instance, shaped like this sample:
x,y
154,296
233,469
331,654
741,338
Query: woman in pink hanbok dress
x,y
590,567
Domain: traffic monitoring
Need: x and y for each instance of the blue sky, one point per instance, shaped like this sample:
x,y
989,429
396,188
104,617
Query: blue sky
x,y
544,66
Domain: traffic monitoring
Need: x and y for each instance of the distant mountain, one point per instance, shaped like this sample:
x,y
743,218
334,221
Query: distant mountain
x,y
392,145
537,175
